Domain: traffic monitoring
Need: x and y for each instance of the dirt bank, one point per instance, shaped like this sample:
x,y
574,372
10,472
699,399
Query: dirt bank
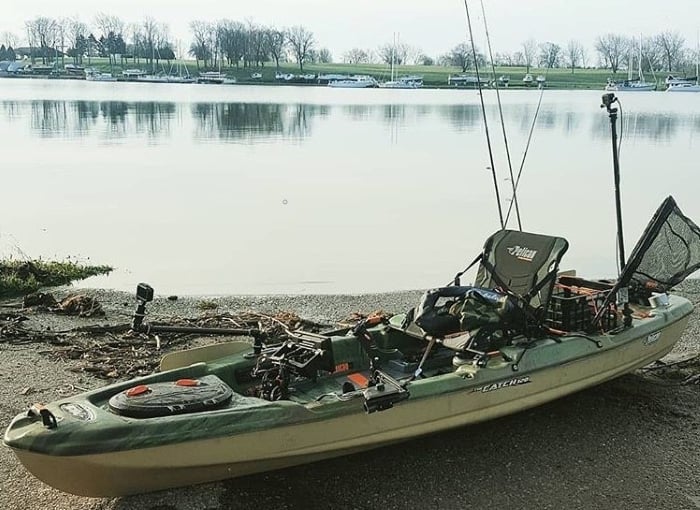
x,y
630,443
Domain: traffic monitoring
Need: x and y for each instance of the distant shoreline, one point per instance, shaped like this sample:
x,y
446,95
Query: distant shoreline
x,y
434,76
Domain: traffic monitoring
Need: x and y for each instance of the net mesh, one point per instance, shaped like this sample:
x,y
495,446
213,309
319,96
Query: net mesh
x,y
667,253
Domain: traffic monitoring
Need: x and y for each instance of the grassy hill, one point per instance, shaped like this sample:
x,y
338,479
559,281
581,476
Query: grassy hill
x,y
433,76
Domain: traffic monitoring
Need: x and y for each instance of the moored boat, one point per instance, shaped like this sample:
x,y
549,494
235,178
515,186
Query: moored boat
x,y
133,74
684,87
466,80
630,86
214,78
94,75
354,82
404,82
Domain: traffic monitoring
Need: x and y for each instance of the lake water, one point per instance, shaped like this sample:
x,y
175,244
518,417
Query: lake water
x,y
253,189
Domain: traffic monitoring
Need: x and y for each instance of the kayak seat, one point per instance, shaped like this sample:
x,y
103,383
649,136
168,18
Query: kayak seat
x,y
522,264
510,297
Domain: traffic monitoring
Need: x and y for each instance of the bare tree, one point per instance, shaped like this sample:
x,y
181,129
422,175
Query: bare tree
x,y
397,53
550,55
670,46
301,42
357,56
107,23
529,53
574,54
10,39
651,57
325,56
612,48
76,37
200,48
42,33
414,55
234,41
149,30
136,33
256,52
503,59
111,28
518,58
462,56
274,42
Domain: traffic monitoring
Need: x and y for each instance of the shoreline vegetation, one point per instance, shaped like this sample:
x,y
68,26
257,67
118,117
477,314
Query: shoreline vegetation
x,y
434,76
250,52
21,277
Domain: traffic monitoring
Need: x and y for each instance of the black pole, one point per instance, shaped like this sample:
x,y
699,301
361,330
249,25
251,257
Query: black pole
x,y
608,100
623,298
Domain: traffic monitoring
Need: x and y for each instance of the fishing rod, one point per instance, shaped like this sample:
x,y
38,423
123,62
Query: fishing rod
x,y
503,125
483,112
527,147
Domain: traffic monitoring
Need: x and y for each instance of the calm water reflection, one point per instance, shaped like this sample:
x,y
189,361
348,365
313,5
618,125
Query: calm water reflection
x,y
262,189
256,121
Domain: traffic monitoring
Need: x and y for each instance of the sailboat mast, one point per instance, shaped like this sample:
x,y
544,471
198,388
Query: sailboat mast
x,y
393,54
641,76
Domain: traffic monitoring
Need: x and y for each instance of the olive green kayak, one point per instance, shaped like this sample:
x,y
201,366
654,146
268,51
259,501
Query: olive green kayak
x,y
213,419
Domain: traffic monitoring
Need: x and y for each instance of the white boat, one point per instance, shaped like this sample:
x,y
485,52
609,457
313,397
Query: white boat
x,y
404,82
132,74
528,79
215,78
154,78
675,85
180,79
322,78
355,82
256,76
672,80
94,75
465,80
684,87
631,84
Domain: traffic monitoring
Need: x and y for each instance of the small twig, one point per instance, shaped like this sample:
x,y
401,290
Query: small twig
x,y
693,379
663,364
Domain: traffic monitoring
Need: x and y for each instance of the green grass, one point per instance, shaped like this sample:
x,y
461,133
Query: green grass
x,y
433,76
18,278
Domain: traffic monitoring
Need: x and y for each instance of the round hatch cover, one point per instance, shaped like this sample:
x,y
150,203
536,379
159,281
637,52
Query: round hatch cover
x,y
172,397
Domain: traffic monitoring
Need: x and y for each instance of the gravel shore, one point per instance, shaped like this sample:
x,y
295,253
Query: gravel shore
x,y
630,443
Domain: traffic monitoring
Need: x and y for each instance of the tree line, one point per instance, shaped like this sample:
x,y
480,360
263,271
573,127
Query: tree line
x,y
251,45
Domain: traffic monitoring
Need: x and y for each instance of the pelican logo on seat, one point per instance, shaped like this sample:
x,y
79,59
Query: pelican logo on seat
x,y
522,253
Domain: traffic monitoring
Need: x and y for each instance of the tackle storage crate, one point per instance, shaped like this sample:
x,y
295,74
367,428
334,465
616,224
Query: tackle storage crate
x,y
574,310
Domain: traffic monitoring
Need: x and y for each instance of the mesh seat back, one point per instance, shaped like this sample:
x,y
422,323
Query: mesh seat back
x,y
523,262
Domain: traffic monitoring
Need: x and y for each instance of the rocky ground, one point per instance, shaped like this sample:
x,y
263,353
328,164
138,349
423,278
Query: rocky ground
x,y
630,443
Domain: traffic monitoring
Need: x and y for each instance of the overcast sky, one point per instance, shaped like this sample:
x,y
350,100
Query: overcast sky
x,y
432,25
